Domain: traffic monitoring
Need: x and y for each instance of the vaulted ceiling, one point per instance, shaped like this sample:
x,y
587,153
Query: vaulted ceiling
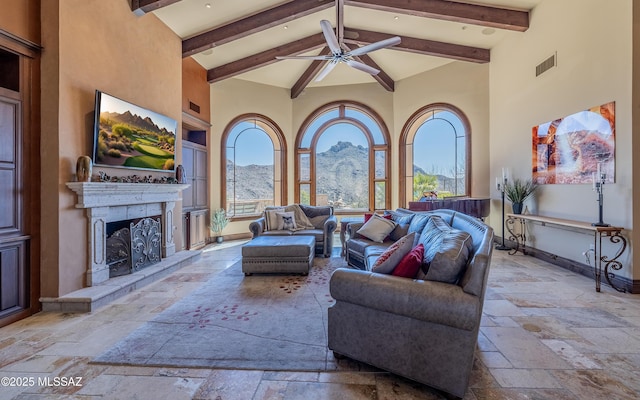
x,y
240,39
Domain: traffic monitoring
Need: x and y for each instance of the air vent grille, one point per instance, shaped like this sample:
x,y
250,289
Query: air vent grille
x,y
194,107
546,65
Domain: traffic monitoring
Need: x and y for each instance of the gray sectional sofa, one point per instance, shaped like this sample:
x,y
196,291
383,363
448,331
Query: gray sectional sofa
x,y
421,329
320,221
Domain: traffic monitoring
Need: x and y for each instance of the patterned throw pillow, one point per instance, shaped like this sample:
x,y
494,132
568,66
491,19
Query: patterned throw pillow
x,y
392,256
410,264
271,218
377,228
286,221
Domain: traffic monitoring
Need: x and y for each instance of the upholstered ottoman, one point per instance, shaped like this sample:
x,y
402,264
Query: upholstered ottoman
x,y
278,254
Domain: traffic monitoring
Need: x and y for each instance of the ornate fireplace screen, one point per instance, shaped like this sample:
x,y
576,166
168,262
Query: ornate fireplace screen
x,y
145,243
131,249
118,248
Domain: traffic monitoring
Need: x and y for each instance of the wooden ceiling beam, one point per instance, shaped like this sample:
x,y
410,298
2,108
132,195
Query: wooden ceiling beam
x,y
308,75
467,13
252,24
381,77
141,7
421,46
265,58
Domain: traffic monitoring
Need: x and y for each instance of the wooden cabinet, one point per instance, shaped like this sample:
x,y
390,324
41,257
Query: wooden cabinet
x,y
198,228
194,229
194,161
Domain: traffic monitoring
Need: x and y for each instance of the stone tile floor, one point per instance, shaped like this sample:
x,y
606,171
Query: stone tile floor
x,y
546,334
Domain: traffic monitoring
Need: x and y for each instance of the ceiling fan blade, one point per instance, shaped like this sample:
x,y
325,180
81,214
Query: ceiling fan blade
x,y
325,71
362,67
304,57
330,37
375,46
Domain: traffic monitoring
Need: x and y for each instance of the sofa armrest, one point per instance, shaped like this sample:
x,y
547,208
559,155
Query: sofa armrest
x,y
330,225
257,227
352,228
436,302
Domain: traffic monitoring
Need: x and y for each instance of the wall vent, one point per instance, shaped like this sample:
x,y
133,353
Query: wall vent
x,y
546,65
194,107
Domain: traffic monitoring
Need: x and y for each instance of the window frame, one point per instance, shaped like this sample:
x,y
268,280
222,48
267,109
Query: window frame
x,y
274,132
342,106
407,136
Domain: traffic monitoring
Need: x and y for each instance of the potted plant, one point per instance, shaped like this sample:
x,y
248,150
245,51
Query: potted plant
x,y
219,221
518,191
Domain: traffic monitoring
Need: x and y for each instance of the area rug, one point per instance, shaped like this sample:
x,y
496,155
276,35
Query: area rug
x,y
264,322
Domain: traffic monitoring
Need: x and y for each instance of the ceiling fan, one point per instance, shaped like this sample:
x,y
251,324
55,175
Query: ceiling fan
x,y
339,51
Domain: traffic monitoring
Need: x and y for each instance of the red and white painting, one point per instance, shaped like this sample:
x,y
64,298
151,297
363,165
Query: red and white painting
x,y
572,149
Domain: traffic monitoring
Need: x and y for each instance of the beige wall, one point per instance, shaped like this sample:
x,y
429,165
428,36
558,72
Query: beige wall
x,y
102,45
461,84
594,52
21,18
464,85
231,98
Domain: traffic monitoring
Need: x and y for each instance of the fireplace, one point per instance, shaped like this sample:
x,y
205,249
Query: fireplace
x,y
108,202
132,245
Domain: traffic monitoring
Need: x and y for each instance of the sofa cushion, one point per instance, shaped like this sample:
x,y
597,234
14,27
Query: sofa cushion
x,y
410,264
432,232
377,228
277,233
317,215
392,256
286,220
418,223
403,221
316,233
446,251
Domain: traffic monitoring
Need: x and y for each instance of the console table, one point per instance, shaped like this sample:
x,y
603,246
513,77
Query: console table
x,y
599,232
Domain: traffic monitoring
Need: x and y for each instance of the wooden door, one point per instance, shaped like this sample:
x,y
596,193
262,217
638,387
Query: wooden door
x,y
19,184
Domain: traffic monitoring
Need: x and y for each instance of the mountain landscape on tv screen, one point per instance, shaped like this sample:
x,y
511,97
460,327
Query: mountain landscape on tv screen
x,y
129,140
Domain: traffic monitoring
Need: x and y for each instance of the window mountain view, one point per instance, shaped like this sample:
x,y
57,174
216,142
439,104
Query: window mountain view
x,y
342,180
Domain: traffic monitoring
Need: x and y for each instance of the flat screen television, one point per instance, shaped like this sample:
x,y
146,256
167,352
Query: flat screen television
x,y
129,136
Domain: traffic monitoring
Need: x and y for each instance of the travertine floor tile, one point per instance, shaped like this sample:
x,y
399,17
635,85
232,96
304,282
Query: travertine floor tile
x,y
525,378
545,334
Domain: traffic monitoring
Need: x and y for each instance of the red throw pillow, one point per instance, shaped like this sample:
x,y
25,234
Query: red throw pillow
x,y
410,264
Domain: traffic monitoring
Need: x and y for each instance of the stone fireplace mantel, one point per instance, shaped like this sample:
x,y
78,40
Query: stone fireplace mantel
x,y
109,202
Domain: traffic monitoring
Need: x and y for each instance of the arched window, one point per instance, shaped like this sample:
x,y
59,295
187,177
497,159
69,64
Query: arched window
x,y
435,153
342,159
253,166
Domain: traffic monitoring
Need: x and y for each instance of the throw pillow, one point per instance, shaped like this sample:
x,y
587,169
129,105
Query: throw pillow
x,y
286,221
410,264
392,256
432,232
270,217
448,258
376,228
